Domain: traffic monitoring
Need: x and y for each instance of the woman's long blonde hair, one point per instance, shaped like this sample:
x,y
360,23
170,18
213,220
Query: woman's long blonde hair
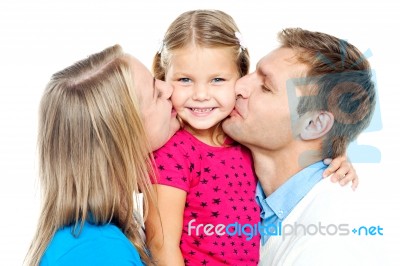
x,y
93,152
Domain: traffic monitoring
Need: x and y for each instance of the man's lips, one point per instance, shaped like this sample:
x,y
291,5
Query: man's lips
x,y
234,112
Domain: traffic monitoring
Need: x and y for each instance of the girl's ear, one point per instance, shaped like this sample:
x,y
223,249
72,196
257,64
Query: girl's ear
x,y
317,125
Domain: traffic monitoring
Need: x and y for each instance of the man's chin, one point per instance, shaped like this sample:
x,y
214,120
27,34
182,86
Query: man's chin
x,y
230,126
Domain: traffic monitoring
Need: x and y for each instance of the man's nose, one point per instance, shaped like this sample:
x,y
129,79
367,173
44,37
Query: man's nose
x,y
243,85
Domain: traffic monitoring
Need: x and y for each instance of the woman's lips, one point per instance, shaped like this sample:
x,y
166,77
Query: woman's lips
x,y
173,112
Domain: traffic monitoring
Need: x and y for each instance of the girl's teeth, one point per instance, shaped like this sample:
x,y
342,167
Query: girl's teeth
x,y
202,110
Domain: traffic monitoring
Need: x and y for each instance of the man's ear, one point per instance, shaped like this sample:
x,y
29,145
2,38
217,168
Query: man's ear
x,y
316,125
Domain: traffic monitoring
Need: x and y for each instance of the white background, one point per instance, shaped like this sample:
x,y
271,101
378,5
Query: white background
x,y
38,38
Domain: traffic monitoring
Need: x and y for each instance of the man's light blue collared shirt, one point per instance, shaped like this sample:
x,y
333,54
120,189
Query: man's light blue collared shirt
x,y
276,207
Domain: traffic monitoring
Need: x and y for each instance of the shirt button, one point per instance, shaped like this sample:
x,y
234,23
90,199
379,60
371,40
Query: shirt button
x,y
280,212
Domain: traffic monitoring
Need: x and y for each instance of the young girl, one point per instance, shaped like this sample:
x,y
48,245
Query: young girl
x,y
206,182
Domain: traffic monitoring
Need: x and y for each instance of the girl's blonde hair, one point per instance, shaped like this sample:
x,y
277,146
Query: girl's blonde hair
x,y
94,156
203,28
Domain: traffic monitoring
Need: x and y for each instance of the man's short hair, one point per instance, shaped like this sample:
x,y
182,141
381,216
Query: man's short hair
x,y
339,80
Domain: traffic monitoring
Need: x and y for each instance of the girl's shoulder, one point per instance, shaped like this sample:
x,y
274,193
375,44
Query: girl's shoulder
x,y
181,140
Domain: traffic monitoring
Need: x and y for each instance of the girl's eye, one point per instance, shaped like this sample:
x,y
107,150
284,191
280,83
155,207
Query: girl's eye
x,y
218,80
184,80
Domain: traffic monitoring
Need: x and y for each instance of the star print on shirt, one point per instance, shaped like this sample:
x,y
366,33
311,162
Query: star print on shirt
x,y
204,262
217,201
216,189
215,214
218,192
210,154
204,181
196,242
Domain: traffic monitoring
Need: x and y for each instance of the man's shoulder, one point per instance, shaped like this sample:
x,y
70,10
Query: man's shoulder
x,y
325,201
318,229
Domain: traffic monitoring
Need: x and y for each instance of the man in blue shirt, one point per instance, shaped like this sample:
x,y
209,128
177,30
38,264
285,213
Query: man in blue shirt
x,y
306,101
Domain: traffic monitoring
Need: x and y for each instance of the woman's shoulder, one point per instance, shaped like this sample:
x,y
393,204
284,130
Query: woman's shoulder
x,y
96,244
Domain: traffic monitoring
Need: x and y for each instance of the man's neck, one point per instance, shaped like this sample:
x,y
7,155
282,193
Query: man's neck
x,y
273,168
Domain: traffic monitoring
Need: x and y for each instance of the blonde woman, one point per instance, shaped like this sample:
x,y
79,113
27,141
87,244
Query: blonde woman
x,y
100,119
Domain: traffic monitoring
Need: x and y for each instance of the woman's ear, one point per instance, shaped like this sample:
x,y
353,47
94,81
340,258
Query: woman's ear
x,y
317,125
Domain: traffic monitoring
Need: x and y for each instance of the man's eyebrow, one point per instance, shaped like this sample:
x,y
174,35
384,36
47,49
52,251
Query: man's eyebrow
x,y
265,74
268,78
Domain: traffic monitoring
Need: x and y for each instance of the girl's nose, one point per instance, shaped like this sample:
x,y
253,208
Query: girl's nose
x,y
200,93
